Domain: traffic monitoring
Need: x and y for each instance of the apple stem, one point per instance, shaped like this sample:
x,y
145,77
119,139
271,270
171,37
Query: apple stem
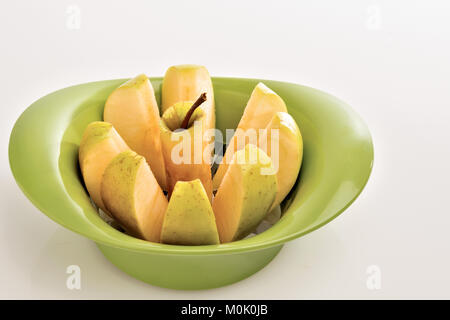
x,y
200,100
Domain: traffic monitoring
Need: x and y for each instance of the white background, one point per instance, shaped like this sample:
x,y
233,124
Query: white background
x,y
388,59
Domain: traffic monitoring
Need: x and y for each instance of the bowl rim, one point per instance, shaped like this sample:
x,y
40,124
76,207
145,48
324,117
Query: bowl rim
x,y
20,146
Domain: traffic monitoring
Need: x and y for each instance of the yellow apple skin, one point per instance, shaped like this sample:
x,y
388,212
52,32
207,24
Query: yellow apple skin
x,y
172,138
133,196
99,145
189,219
186,83
133,111
245,195
261,107
290,151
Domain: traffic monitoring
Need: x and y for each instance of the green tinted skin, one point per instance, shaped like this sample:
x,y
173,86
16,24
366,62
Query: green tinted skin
x,y
95,132
259,194
173,116
118,185
189,217
135,82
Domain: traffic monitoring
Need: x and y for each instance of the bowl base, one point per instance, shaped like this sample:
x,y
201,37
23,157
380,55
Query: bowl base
x,y
189,272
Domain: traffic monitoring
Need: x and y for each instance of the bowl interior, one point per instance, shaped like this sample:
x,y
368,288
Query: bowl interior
x,y
338,157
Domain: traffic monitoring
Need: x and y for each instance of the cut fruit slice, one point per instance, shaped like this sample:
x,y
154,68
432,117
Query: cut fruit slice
x,y
189,218
185,83
99,145
132,195
133,111
246,194
285,148
261,107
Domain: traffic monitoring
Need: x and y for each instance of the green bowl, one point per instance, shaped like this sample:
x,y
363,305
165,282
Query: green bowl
x,y
338,157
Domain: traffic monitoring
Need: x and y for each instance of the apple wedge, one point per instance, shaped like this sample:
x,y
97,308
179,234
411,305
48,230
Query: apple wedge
x,y
133,111
246,194
185,83
189,218
133,196
285,148
99,145
186,153
261,107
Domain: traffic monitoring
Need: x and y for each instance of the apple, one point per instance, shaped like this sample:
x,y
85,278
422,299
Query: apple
x,y
182,127
99,145
260,109
126,171
185,83
245,195
289,151
131,193
133,111
189,219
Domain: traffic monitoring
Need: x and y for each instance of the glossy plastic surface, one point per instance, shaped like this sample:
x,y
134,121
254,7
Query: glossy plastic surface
x,y
338,157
